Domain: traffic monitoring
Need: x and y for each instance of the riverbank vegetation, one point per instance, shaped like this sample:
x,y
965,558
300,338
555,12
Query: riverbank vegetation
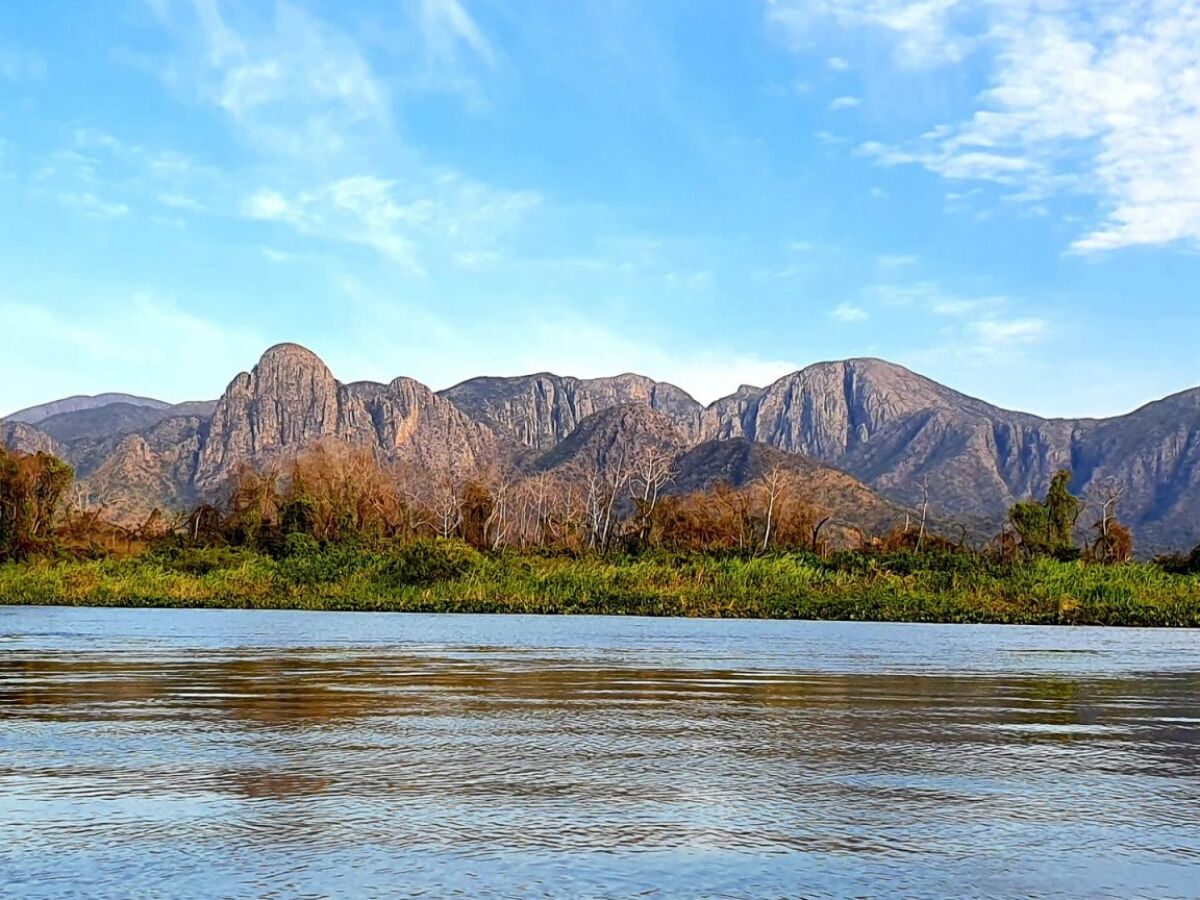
x,y
330,531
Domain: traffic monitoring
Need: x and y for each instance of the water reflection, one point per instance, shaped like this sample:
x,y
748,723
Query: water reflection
x,y
404,764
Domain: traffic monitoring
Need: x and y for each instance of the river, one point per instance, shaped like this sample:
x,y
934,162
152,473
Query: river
x,y
186,753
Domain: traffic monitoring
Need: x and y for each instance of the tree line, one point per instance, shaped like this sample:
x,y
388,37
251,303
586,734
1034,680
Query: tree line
x,y
333,494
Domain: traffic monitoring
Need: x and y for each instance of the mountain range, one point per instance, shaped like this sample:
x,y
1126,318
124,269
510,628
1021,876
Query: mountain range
x,y
869,435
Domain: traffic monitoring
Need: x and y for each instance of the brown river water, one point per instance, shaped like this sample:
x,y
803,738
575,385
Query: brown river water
x,y
176,753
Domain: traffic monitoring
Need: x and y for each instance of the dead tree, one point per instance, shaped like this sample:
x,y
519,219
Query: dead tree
x,y
775,485
924,511
651,470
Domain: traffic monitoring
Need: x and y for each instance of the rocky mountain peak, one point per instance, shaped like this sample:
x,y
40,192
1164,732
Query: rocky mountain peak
x,y
291,401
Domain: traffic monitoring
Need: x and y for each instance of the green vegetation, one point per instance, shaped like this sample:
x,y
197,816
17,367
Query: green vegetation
x,y
450,576
334,532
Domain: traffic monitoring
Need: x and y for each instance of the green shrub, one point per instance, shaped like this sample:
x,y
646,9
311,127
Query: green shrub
x,y
428,562
199,560
307,564
300,544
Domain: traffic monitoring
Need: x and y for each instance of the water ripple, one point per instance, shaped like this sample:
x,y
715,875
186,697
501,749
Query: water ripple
x,y
290,755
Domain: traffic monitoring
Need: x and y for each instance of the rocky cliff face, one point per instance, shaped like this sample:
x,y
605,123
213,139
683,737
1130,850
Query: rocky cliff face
x,y
539,411
132,475
26,439
1152,456
290,401
899,431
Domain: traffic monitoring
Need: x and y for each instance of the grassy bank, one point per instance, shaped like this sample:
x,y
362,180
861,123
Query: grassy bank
x,y
450,577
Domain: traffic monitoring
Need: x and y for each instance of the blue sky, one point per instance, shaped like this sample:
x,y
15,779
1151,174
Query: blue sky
x,y
1001,194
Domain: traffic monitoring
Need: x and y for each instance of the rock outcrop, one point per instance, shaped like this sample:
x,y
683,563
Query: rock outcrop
x,y
26,439
540,411
291,401
132,475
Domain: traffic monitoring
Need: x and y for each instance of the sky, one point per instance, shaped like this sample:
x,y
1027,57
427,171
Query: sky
x,y
1003,195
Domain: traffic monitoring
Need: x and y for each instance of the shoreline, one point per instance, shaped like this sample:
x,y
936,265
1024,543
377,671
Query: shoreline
x,y
168,606
784,586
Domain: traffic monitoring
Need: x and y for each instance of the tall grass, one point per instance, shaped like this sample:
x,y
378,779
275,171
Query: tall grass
x,y
451,577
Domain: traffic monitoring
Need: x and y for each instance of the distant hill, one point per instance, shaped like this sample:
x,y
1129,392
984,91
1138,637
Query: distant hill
x,y
35,414
738,462
115,419
610,436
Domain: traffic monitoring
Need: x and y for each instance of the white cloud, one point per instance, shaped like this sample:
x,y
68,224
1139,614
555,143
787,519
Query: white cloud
x,y
1101,98
896,261
570,344
918,27
993,335
841,103
447,213
181,201
271,254
848,312
272,206
104,177
88,204
327,160
447,24
837,63
953,307
292,84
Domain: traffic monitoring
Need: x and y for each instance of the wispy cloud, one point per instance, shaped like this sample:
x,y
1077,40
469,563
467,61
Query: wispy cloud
x,y
920,28
291,83
848,312
93,207
840,103
328,162
1000,334
271,254
102,176
1100,98
447,26
991,325
461,217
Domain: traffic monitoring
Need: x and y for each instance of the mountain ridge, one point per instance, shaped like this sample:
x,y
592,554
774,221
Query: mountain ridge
x,y
897,431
